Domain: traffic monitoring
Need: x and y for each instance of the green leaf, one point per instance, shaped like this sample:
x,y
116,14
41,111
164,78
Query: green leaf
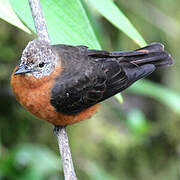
x,y
66,20
29,161
137,122
68,23
41,160
153,15
7,14
158,92
119,98
112,13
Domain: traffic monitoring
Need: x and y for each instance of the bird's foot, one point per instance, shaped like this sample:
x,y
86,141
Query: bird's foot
x,y
57,128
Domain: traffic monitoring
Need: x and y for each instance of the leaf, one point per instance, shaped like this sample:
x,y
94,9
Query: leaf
x,y
40,159
137,122
66,20
154,15
113,14
7,14
158,92
119,98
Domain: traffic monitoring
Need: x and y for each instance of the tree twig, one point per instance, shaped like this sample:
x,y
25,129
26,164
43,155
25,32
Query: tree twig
x,y
65,153
60,132
39,20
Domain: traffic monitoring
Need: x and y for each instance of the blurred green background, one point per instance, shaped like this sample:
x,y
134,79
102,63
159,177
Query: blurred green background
x,y
137,140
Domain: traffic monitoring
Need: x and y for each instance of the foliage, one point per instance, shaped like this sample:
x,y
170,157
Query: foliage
x,y
28,161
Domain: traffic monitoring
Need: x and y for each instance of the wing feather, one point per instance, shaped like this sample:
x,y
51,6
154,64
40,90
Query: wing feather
x,y
91,77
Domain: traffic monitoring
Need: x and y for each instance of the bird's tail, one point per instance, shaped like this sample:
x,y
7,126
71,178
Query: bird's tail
x,y
123,68
152,54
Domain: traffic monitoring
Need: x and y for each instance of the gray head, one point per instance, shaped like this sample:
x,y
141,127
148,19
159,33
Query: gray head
x,y
37,59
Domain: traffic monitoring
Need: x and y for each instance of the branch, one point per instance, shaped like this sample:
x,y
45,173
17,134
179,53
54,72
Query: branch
x,y
39,20
65,153
60,132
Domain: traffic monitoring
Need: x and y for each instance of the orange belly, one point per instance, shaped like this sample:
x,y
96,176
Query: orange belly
x,y
34,95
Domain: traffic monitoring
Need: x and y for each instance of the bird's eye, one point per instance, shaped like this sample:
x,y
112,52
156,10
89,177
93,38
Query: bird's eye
x,y
41,64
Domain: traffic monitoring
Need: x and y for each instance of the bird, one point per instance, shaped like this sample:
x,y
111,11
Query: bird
x,y
65,84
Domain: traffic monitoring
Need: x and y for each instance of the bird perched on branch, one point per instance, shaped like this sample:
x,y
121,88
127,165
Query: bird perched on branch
x,y
63,84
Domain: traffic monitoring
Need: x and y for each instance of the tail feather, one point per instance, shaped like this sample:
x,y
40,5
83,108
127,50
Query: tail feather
x,y
153,47
152,54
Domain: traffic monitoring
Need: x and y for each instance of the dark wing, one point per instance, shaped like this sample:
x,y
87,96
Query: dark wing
x,y
91,77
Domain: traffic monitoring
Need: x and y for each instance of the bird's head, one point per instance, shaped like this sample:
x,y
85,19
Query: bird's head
x,y
38,59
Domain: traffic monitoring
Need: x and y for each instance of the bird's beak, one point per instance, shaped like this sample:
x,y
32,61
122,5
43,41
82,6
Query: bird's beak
x,y
22,69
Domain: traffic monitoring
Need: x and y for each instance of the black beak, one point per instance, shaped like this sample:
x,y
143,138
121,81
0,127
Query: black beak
x,y
22,69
